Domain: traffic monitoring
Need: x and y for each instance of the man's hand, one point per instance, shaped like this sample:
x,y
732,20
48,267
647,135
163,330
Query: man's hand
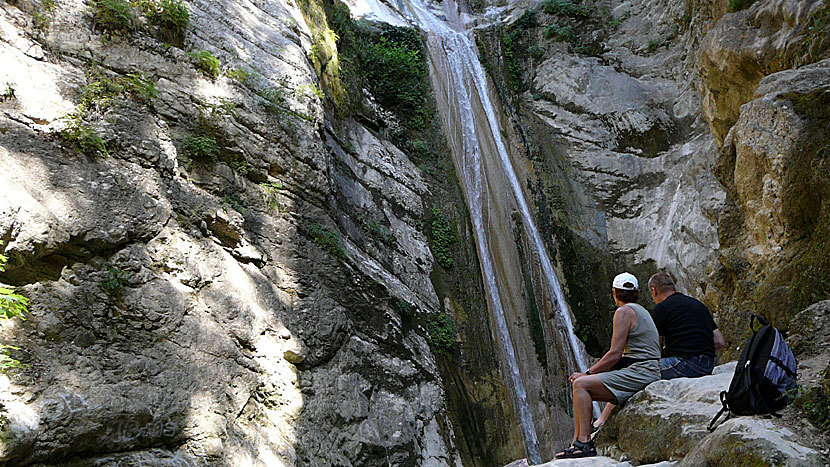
x,y
575,377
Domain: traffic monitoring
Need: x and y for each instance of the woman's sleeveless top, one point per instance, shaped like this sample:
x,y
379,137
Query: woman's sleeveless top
x,y
643,341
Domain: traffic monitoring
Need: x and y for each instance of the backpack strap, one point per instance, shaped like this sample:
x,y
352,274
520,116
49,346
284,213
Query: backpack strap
x,y
784,367
724,409
761,320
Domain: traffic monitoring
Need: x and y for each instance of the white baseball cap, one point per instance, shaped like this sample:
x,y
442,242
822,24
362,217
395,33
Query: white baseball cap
x,y
625,281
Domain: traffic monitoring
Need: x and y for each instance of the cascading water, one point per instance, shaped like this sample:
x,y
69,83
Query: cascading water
x,y
461,83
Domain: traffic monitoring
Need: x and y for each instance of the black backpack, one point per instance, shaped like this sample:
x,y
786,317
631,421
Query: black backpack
x,y
765,377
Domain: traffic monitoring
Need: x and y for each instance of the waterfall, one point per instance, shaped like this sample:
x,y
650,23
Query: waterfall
x,y
461,88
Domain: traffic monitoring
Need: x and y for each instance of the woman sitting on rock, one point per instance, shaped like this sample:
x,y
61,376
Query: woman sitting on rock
x,y
629,366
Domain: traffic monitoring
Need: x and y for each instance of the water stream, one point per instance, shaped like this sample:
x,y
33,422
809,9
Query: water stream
x,y
472,127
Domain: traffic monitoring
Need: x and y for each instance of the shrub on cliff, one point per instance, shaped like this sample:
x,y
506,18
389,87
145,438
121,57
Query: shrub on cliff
x,y
12,305
170,16
442,238
441,333
397,73
202,148
113,15
206,63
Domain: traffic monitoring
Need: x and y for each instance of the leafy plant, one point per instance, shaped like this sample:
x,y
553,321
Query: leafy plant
x,y
82,136
271,191
397,73
43,17
206,62
560,33
442,238
8,93
170,16
141,87
652,45
113,15
12,305
378,230
239,75
441,333
240,205
815,404
328,240
565,8
115,280
203,148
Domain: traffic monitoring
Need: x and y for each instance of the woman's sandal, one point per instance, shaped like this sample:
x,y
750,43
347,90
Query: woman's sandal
x,y
585,450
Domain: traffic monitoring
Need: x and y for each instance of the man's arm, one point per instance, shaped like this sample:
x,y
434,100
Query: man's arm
x,y
719,341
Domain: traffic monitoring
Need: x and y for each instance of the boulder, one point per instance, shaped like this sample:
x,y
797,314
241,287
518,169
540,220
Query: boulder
x,y
669,419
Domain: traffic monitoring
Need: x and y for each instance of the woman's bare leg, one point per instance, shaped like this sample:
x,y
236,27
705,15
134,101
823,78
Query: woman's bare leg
x,y
586,390
603,417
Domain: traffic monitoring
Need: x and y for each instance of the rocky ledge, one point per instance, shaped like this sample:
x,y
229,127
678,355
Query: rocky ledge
x,y
666,424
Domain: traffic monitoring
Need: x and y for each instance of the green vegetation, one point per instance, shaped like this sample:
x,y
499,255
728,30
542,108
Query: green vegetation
x,y
738,5
397,73
271,191
816,43
83,137
517,33
169,16
324,51
97,96
115,280
239,75
234,202
814,402
200,148
43,17
12,305
8,93
140,87
206,63
441,333
442,238
565,8
328,240
652,45
113,15
101,91
560,33
378,230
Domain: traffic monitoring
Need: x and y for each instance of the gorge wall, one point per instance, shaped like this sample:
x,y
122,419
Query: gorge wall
x,y
244,245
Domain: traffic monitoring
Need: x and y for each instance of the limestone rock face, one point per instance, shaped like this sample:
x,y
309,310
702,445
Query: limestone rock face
x,y
189,312
741,49
606,130
775,171
668,420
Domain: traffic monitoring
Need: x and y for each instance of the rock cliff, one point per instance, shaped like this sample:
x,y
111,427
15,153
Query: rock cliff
x,y
244,241
219,272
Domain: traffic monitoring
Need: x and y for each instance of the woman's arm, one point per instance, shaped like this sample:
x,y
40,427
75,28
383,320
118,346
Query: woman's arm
x,y
623,322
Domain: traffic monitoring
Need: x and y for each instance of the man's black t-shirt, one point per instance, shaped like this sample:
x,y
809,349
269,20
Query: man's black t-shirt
x,y
686,326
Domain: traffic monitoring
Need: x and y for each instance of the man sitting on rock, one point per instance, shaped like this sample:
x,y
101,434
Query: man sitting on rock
x,y
688,334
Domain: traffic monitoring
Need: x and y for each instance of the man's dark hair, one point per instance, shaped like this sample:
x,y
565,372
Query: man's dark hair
x,y
662,281
627,296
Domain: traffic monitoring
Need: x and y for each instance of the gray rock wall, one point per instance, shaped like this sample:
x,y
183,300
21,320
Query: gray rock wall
x,y
189,312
